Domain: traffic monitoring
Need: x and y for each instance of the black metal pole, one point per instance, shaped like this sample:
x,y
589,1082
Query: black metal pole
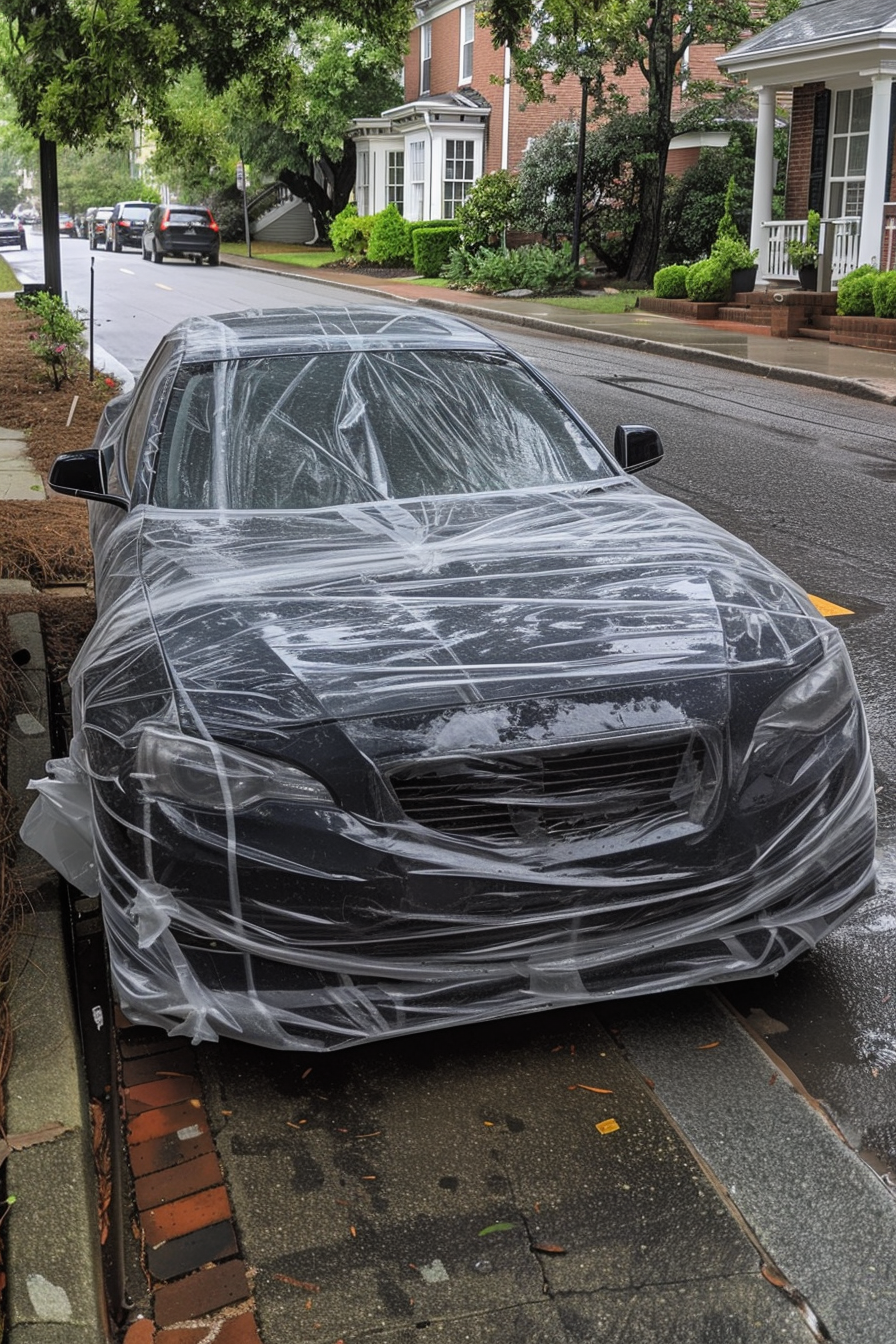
x,y
580,178
49,210
92,264
245,205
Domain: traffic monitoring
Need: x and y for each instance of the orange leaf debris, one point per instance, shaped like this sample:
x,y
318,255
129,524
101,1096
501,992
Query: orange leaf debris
x,y
710,1045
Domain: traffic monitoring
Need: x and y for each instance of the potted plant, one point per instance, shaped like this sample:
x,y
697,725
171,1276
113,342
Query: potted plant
x,y
802,253
730,248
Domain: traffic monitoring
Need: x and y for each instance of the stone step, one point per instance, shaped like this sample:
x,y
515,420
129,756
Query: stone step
x,y
816,333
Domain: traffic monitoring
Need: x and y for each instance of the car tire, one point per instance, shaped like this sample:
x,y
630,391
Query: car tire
x,y
23,245
158,257
108,244
92,244
116,247
214,259
146,255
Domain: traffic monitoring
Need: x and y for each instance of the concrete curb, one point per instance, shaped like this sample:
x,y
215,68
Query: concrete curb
x,y
52,1236
850,387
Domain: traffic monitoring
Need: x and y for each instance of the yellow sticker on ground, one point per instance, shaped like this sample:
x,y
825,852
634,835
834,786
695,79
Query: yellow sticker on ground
x,y
607,1126
829,608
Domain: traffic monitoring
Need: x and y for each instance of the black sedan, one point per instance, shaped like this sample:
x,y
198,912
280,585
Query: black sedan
x,y
12,232
408,706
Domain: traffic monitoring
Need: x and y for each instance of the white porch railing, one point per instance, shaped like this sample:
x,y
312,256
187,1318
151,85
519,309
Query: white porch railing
x,y
841,236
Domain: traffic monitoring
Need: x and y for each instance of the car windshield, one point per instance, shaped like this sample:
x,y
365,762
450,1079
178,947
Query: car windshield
x,y
322,430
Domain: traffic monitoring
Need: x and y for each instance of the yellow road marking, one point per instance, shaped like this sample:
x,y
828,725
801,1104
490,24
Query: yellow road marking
x,y
159,285
829,608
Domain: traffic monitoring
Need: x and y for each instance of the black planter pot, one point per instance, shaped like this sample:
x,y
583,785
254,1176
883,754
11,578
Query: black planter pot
x,y
808,277
743,280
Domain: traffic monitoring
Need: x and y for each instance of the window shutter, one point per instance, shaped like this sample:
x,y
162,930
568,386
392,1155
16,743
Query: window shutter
x,y
818,158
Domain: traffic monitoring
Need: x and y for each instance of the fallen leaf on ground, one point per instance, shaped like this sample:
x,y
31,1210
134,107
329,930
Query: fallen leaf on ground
x,y
497,1227
773,1276
306,1073
298,1283
604,1091
710,1045
354,1231
549,1248
607,1126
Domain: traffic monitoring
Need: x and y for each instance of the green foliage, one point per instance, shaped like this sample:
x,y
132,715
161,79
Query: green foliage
x,y
669,283
226,206
389,243
349,234
884,294
727,224
805,252
98,177
855,292
615,159
733,252
542,269
708,281
695,201
59,340
432,247
491,208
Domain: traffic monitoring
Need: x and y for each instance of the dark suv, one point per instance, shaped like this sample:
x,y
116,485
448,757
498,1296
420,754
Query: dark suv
x,y
126,224
181,231
97,219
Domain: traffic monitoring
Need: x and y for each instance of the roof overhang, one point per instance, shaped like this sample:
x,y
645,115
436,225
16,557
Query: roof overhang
x,y
827,61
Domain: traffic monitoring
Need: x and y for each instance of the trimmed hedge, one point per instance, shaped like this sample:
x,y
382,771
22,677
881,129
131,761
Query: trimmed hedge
x,y
671,282
855,293
390,242
708,281
884,294
432,247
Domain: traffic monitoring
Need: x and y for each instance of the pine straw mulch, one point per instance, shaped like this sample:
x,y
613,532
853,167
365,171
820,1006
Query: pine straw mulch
x,y
46,543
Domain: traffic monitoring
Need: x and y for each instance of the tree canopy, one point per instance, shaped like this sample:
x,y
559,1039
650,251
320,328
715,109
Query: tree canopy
x,y
598,40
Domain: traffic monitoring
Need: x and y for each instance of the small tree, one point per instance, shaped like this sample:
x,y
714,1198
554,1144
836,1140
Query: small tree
x,y
491,207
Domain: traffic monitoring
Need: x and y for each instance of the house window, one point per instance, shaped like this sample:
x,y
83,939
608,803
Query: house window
x,y
458,174
362,182
849,152
467,28
417,166
395,179
425,56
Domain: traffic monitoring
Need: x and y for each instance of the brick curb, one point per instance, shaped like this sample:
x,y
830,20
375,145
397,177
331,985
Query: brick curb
x,y
200,1285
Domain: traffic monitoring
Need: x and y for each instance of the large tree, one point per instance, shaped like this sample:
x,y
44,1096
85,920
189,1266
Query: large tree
x,y
80,68
599,40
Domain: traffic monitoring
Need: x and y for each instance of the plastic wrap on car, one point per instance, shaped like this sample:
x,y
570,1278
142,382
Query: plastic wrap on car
x,y
557,748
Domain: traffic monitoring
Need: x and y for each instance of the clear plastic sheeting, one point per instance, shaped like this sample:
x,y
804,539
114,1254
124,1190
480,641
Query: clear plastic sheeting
x,y
384,764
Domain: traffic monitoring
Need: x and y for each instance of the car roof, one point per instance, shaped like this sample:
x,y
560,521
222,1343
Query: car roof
x,y
266,331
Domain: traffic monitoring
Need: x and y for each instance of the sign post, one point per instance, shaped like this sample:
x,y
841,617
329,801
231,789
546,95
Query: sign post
x,y
241,186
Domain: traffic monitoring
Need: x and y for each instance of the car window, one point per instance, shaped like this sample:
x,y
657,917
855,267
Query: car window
x,y
188,216
298,432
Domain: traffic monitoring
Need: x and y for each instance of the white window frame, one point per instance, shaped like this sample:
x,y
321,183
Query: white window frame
x,y
362,182
395,178
425,58
846,189
416,178
467,33
449,183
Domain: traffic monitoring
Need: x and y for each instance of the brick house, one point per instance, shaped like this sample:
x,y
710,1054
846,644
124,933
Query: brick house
x,y
837,59
465,116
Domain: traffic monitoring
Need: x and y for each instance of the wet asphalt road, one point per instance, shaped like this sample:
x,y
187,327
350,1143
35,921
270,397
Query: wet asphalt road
x,y
805,476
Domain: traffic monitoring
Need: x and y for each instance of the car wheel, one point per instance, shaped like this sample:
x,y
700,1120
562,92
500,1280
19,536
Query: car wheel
x,y
146,255
108,244
92,244
213,259
157,257
197,261
23,244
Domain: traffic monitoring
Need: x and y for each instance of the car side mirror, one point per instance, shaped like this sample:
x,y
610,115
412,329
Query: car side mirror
x,y
81,474
636,447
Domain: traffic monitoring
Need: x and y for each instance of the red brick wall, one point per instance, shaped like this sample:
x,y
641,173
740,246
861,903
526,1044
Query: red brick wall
x,y
802,120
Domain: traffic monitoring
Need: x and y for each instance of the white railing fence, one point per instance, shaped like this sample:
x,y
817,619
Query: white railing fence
x,y
839,238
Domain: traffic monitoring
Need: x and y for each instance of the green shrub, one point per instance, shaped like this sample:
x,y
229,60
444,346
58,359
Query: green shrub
x,y
491,207
669,283
458,267
708,281
884,294
492,271
414,224
349,232
546,270
59,339
727,227
431,248
855,293
542,269
389,243
733,252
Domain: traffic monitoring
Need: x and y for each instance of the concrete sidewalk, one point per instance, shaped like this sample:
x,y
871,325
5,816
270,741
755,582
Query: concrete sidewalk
x,y
870,374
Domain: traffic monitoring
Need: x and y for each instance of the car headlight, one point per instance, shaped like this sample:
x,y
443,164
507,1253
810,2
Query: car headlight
x,y
804,733
210,777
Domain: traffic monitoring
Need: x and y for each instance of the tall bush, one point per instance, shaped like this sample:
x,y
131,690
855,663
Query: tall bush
x,y
432,247
855,292
491,207
349,232
389,243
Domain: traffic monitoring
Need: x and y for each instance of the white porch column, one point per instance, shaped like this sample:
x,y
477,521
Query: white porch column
x,y
763,174
877,170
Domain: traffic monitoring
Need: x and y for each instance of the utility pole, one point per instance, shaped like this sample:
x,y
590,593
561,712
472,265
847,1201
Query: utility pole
x,y
49,213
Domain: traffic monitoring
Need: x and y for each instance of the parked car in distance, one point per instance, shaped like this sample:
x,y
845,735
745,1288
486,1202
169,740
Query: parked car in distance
x,y
26,213
98,217
187,231
12,232
407,706
126,223
67,227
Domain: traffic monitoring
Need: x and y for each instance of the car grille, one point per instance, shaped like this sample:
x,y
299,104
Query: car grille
x,y
574,791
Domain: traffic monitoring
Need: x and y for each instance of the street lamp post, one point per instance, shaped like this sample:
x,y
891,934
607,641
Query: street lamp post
x,y
580,177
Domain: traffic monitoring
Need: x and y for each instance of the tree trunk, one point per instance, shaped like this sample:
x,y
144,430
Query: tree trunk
x,y
324,202
661,63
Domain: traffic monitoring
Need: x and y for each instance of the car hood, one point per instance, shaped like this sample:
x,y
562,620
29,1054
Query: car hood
x,y
389,607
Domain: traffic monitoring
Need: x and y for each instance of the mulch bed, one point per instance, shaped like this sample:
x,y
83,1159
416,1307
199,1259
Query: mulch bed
x,y
381,272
